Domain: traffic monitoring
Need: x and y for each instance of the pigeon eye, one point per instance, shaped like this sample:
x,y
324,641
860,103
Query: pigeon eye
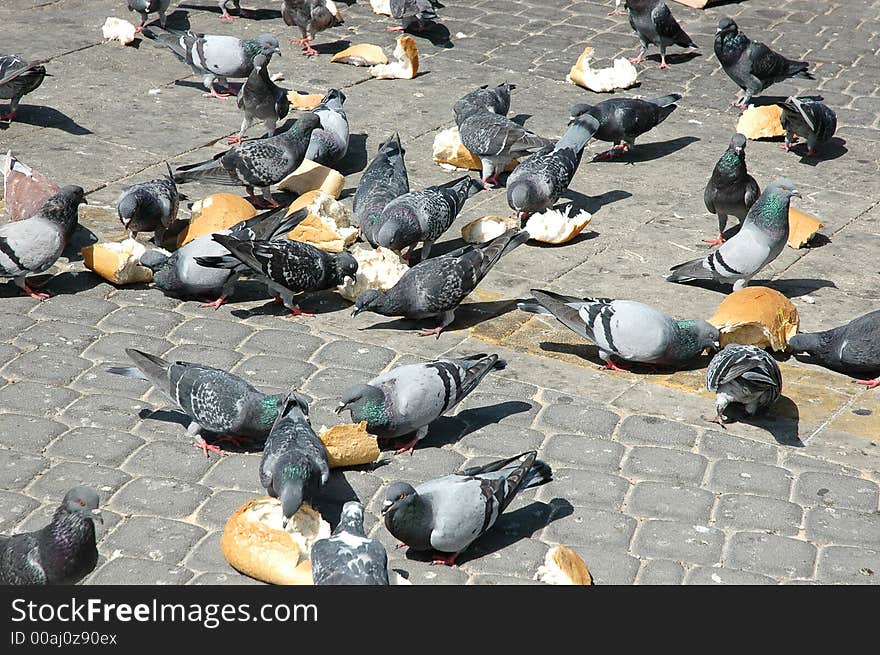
x,y
82,503
401,497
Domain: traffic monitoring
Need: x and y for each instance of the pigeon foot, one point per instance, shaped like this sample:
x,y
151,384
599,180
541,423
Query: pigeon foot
x,y
611,366
206,447
296,311
871,384
717,241
446,560
432,332
215,304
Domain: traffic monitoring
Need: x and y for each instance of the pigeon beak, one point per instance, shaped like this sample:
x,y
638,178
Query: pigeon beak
x,y
571,119
96,515
356,311
716,344
386,506
339,408
796,193
284,521
717,29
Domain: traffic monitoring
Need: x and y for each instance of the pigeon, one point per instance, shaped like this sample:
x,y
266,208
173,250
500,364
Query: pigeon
x,y
261,99
179,275
18,78
34,244
423,215
747,375
538,181
654,23
497,141
311,17
414,15
287,267
62,553
626,329
348,556
383,180
621,120
810,119
329,143
149,206
495,100
761,238
258,163
751,64
147,7
294,465
448,514
407,399
213,399
435,287
730,190
850,348
215,58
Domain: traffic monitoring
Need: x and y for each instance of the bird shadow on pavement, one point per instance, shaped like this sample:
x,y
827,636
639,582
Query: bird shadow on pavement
x,y
437,33
235,86
782,421
334,494
467,315
590,353
331,47
592,204
81,237
40,116
448,430
763,101
249,14
355,159
675,58
834,149
314,303
649,151
177,19
791,288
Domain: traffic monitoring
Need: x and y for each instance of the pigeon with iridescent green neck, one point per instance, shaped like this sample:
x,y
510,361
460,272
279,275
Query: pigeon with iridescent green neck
x,y
731,190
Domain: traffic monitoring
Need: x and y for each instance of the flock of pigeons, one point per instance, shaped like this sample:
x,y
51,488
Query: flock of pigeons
x,y
448,514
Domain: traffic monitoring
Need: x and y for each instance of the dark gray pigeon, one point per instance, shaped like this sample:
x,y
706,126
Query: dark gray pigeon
x,y
538,181
751,64
348,556
329,143
655,24
626,329
621,120
149,206
18,78
746,375
287,267
294,465
414,15
435,287
62,553
448,514
731,191
407,399
495,100
311,17
215,58
35,244
261,99
850,348
213,399
811,119
383,180
147,7
423,215
761,238
180,275
257,163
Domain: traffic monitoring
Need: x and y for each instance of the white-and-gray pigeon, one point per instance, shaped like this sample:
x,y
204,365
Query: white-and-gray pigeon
x,y
261,99
18,78
850,348
383,180
495,100
654,23
746,375
408,398
329,143
348,556
414,15
811,119
761,238
311,17
147,7
626,329
731,191
149,206
448,514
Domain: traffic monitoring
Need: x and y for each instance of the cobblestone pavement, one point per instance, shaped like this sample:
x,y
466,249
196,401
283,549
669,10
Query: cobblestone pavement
x,y
643,488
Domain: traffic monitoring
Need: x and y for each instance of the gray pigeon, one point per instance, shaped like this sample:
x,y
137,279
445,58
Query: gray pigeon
x,y
215,58
287,267
495,100
147,7
448,514
435,287
626,329
731,191
261,99
348,556
761,238
742,374
383,180
18,78
497,141
538,181
811,119
423,215
213,399
257,163
329,143
62,553
294,465
414,15
34,244
751,64
621,120
149,206
407,399
850,348
655,24
180,275
311,17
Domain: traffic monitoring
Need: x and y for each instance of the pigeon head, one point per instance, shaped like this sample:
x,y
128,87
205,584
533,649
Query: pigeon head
x,y
346,267
62,206
692,338
370,300
521,195
365,402
471,186
398,494
269,46
261,61
708,336
290,402
155,260
129,208
398,234
727,26
352,517
579,110
738,144
291,495
83,501
783,187
334,98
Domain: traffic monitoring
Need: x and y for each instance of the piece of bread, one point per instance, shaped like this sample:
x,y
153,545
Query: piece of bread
x,y
213,213
487,228
254,542
311,176
362,54
378,268
349,444
756,316
116,29
449,152
801,227
761,122
406,65
328,224
555,226
304,101
117,262
563,566
621,75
